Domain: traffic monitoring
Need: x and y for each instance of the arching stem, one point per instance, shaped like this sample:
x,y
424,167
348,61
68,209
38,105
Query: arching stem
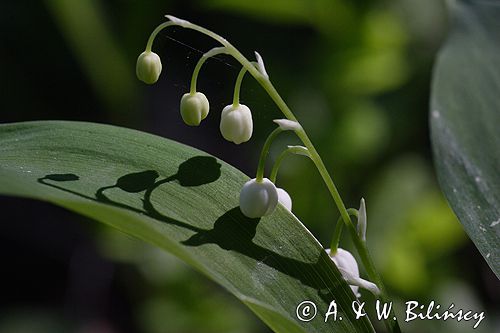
x,y
264,152
266,84
297,150
237,87
334,244
213,52
155,32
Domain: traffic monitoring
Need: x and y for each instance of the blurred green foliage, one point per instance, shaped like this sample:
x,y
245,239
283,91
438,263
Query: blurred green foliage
x,y
357,75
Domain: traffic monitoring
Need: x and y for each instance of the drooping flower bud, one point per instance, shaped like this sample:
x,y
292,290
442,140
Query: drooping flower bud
x,y
148,67
258,198
236,123
348,267
284,198
194,108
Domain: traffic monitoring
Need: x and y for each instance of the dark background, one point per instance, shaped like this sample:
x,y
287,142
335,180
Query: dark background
x,y
357,75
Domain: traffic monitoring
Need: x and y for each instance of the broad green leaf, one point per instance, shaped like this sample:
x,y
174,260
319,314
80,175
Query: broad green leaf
x,y
465,120
185,202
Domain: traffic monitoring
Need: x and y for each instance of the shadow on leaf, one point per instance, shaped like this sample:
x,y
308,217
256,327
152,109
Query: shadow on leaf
x,y
232,231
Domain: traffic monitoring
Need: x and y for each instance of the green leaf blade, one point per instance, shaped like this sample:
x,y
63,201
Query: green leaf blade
x,y
185,202
465,119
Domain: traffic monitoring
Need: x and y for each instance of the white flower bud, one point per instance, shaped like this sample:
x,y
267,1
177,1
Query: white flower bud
x,y
346,264
194,108
348,267
148,67
284,198
258,198
236,123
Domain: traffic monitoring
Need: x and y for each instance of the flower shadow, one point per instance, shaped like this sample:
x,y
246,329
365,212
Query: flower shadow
x,y
232,231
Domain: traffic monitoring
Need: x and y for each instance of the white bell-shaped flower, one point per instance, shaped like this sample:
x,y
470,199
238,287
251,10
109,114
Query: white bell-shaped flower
x,y
348,267
194,108
236,123
284,198
148,67
258,198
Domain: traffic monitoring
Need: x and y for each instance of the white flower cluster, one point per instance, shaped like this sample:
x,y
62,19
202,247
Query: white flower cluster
x,y
259,196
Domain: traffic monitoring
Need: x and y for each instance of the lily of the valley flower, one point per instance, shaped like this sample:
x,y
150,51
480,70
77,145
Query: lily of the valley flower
x,y
236,124
348,267
148,67
284,198
258,198
194,108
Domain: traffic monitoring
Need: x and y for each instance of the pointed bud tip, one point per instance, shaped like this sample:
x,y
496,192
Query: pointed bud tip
x,y
177,20
287,124
362,220
299,150
260,65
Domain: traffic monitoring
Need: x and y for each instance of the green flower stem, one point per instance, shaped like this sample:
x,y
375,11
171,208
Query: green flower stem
x,y
237,87
391,324
264,152
213,52
155,32
334,244
298,150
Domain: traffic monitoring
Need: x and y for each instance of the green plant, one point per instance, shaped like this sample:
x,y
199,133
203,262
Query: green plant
x,y
259,196
188,202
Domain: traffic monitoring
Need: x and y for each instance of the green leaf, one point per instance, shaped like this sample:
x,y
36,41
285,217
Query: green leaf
x,y
185,202
465,119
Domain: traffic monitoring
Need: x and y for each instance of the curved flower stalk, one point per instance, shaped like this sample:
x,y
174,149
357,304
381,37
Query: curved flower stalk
x,y
236,126
261,189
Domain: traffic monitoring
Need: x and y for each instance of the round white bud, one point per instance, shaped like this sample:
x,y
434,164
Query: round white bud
x,y
148,67
236,123
258,198
194,108
347,265
284,198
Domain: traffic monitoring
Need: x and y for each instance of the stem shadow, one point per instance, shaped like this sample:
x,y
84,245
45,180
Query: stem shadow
x,y
231,232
